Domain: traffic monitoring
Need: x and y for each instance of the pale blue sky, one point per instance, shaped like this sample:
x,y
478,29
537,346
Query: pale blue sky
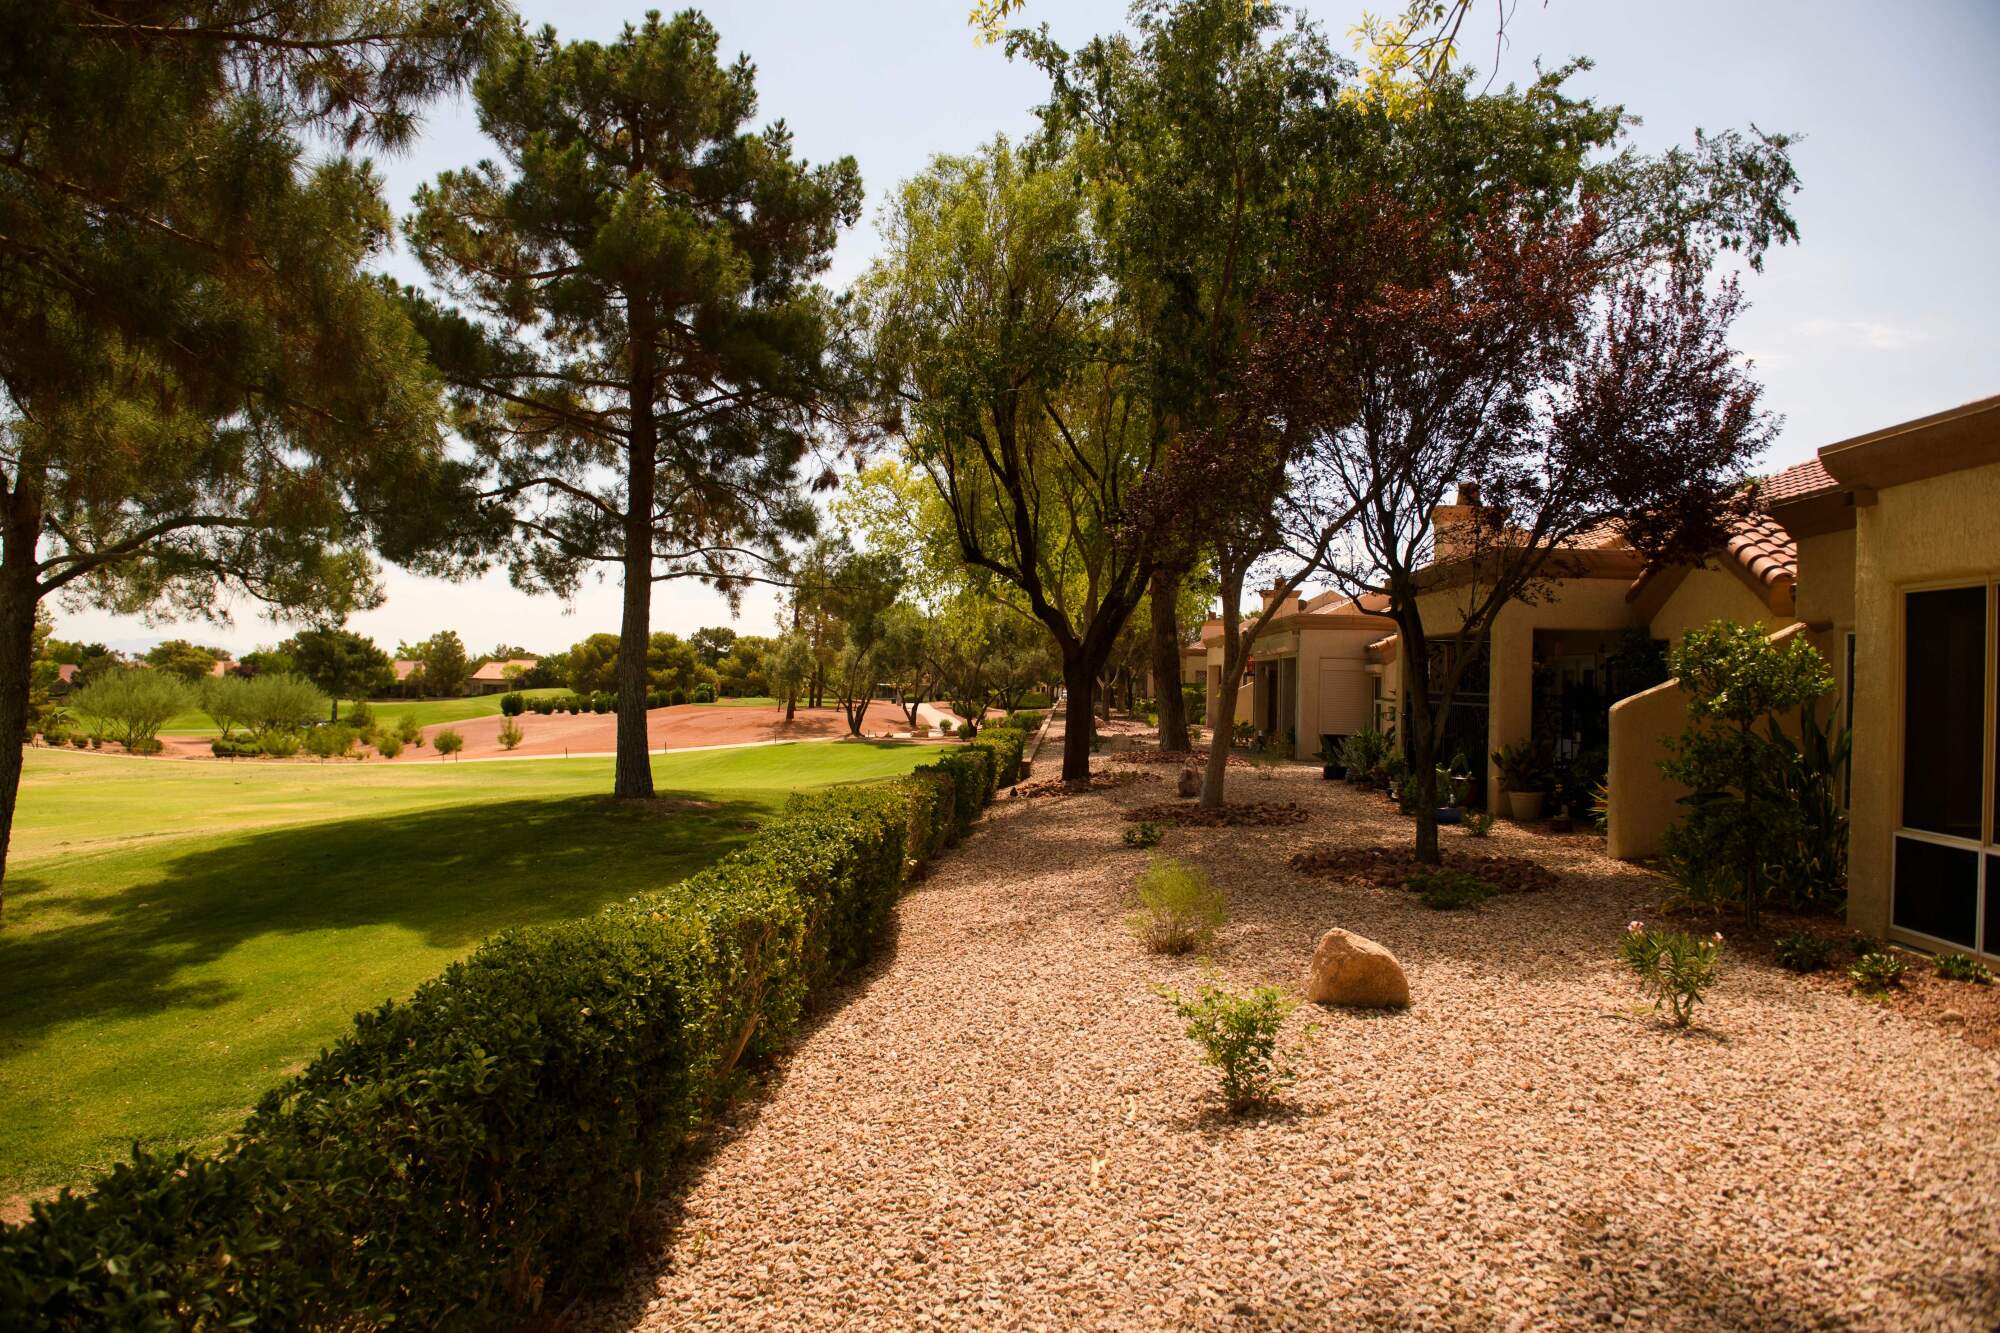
x,y
1884,311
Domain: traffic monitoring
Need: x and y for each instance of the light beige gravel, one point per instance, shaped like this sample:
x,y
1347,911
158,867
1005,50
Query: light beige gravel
x,y
1003,1126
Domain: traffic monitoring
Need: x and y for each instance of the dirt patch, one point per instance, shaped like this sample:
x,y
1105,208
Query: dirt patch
x,y
1390,867
1233,814
1195,758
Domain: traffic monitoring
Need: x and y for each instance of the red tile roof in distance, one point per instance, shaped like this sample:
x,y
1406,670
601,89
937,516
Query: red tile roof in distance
x,y
1761,545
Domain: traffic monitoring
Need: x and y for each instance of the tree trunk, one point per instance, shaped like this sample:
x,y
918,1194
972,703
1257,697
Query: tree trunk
x,y
1079,687
634,780
1222,726
1165,593
18,596
1421,746
791,702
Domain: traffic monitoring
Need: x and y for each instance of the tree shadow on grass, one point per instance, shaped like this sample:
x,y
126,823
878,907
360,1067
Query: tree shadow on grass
x,y
454,876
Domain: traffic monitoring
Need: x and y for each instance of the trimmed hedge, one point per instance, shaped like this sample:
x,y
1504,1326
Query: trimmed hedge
x,y
1005,744
481,1151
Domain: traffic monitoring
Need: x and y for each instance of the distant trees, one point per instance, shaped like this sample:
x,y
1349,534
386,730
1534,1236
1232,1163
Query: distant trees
x,y
346,665
188,661
442,669
653,351
131,705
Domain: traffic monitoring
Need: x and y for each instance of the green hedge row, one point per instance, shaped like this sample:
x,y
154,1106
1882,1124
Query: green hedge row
x,y
482,1151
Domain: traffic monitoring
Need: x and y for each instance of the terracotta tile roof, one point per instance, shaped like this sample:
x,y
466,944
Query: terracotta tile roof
x,y
1799,481
493,671
1761,545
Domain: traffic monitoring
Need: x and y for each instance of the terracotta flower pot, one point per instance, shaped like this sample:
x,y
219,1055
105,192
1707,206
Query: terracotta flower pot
x,y
1524,805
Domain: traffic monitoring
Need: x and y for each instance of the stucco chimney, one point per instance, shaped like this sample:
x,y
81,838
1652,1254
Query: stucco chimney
x,y
1453,524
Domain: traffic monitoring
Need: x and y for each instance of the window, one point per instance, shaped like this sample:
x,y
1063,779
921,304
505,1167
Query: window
x,y
1945,885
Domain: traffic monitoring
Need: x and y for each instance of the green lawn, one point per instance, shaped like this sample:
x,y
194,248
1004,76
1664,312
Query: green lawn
x,y
194,722
177,937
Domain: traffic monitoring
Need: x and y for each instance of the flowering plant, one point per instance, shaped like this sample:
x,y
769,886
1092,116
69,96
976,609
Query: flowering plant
x,y
1673,966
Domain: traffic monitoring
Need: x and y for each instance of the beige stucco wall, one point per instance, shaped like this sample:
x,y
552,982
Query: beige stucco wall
x,y
1643,799
1577,604
1936,532
1705,596
1825,591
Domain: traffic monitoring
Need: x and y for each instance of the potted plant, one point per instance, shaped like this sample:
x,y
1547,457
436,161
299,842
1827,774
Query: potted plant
x,y
1521,779
1332,762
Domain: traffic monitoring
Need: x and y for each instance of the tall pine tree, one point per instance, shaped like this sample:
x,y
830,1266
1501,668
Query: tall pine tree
x,y
651,352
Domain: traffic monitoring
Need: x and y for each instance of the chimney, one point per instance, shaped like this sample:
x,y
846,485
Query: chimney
x,y
1453,524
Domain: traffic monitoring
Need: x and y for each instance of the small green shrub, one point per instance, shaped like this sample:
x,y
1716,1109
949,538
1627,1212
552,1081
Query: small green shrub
x,y
966,731
1803,951
388,745
280,744
1964,967
1143,834
1449,890
1006,746
1877,972
511,735
448,742
513,703
1238,1035
704,693
1478,823
235,749
360,717
1674,967
332,741
656,699
1179,909
677,696
408,731
81,741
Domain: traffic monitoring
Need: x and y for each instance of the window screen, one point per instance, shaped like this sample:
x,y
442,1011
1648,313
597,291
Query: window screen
x,y
1944,711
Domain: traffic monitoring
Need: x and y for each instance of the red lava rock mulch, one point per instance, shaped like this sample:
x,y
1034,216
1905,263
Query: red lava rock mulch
x,y
1391,867
1196,757
1233,815
1098,782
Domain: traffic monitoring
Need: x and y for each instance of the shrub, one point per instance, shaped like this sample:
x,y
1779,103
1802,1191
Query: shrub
x,y
1877,972
361,717
388,745
1027,722
1143,834
513,703
1674,967
1802,951
477,1153
511,735
656,699
1194,704
1963,967
1006,746
1179,909
332,741
677,696
1759,802
704,693
132,704
448,742
279,744
409,731
1364,751
1478,823
1238,1035
278,702
234,749
600,701
80,741
967,730
970,772
1448,890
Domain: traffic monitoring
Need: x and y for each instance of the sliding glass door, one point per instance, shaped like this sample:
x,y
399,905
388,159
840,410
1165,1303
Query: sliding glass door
x,y
1947,869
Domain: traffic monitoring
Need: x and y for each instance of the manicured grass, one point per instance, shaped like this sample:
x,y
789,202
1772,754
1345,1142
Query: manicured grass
x,y
178,936
389,712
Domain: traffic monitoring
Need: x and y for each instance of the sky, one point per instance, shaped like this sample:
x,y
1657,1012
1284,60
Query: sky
x,y
1884,311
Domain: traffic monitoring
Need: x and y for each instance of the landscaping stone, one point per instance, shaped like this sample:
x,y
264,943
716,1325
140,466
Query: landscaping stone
x,y
1353,970
1190,783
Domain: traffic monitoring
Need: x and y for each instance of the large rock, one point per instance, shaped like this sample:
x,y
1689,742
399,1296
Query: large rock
x,y
1354,970
1190,784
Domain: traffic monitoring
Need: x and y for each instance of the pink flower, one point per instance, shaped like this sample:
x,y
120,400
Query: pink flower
x,y
1718,937
1635,927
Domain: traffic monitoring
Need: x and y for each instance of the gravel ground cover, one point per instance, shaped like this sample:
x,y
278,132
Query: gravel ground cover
x,y
1003,1127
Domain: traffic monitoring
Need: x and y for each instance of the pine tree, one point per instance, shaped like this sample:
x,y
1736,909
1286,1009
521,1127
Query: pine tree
x,y
663,352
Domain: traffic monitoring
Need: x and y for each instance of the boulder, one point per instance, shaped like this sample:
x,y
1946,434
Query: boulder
x,y
1190,782
1354,970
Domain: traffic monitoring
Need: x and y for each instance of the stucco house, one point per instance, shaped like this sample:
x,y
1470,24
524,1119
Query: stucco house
x,y
495,677
1883,551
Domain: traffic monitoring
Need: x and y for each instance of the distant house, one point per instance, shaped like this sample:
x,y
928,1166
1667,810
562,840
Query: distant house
x,y
404,668
223,666
495,677
66,673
